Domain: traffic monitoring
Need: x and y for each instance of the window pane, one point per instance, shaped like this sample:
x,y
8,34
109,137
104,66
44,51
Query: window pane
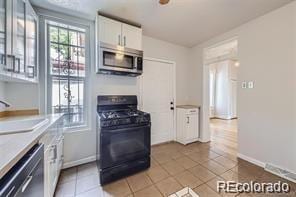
x,y
73,38
81,39
54,59
53,31
63,36
59,96
77,62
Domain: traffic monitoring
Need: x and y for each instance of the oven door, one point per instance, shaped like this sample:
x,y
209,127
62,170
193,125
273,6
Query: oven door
x,y
121,145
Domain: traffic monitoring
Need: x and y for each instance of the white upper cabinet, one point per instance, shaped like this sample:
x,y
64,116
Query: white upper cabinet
x,y
18,41
109,31
131,37
117,33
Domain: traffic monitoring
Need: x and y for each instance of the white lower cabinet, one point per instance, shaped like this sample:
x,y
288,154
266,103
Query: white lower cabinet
x,y
53,142
187,124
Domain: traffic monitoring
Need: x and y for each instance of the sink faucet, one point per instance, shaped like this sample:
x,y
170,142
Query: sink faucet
x,y
5,103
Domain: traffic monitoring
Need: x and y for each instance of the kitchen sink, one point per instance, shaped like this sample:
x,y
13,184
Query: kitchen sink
x,y
21,126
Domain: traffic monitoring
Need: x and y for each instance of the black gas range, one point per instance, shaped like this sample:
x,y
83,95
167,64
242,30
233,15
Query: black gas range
x,y
123,137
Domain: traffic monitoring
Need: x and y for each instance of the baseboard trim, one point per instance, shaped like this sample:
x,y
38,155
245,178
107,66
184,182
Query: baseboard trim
x,y
251,160
79,162
204,140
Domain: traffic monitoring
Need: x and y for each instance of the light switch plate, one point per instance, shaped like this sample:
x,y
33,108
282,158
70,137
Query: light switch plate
x,y
250,84
244,85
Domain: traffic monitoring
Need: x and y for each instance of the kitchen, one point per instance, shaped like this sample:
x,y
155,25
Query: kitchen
x,y
78,145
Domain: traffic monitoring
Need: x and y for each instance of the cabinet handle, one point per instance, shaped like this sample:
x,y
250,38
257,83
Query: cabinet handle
x,y
30,71
11,190
18,60
187,120
54,148
3,56
28,180
13,63
124,41
119,43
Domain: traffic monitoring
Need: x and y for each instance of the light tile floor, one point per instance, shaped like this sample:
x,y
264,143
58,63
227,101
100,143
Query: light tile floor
x,y
173,167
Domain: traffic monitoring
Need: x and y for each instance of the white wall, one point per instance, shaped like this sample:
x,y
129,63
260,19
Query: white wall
x,y
181,55
22,96
267,113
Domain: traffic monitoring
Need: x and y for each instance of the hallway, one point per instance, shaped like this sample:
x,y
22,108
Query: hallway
x,y
224,134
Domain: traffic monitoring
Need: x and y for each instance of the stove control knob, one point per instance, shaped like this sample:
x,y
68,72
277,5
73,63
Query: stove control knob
x,y
114,122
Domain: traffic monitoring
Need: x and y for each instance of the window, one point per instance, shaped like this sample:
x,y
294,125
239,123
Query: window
x,y
67,72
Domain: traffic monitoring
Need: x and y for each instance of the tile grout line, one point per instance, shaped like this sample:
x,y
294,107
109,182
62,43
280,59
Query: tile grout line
x,y
128,186
154,184
76,181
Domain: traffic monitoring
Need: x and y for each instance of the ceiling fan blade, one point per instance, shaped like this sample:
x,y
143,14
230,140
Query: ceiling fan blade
x,y
163,2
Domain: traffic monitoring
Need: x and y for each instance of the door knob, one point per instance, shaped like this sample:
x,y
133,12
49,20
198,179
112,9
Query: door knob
x,y
172,108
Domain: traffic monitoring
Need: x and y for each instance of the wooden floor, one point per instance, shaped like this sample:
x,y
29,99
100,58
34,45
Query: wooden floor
x,y
224,134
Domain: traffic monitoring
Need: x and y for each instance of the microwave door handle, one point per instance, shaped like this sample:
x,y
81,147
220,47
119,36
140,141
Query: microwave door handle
x,y
136,63
119,43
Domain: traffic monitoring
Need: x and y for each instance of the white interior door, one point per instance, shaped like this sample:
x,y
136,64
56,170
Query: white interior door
x,y
157,93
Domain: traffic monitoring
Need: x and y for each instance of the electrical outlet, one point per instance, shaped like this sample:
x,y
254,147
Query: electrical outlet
x,y
250,84
244,85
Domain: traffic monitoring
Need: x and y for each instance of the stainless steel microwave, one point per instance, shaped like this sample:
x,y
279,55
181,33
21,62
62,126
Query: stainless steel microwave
x,y
119,60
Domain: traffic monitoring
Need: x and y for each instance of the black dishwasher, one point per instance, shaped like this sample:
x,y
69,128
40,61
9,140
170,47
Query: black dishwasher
x,y
26,178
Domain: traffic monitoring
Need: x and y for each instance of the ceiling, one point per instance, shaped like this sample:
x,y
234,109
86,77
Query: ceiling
x,y
184,22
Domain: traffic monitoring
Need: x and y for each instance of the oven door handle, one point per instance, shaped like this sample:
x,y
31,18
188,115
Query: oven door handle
x,y
124,129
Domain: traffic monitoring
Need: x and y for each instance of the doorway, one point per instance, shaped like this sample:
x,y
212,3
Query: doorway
x,y
157,96
222,65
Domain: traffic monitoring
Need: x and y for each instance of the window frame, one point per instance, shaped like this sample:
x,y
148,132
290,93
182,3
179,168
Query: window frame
x,y
49,77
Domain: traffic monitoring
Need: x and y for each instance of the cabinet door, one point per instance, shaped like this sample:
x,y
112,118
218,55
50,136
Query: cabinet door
x,y
31,42
19,43
3,11
192,127
60,150
131,37
6,65
49,171
109,31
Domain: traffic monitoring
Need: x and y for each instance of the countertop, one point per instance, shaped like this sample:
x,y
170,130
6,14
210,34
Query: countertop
x,y
14,146
188,106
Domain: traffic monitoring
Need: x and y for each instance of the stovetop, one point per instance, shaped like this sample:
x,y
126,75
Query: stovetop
x,y
122,117
120,111
120,114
